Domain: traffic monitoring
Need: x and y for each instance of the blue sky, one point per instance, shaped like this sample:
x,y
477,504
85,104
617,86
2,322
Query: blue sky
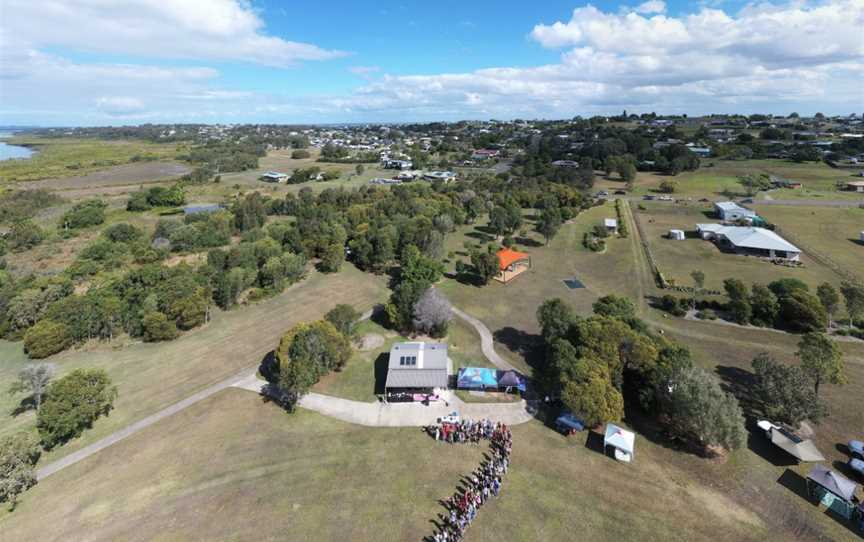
x,y
71,62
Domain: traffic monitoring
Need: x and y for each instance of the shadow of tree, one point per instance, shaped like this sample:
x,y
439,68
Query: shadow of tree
x,y
27,404
528,242
381,372
741,383
527,345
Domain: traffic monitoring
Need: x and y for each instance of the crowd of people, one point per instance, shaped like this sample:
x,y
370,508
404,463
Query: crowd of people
x,y
483,484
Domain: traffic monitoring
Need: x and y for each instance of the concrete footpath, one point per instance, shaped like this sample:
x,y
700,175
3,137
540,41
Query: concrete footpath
x,y
400,414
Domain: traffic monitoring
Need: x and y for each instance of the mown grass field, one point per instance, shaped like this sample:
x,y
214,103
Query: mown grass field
x,y
233,467
716,177
65,157
152,376
677,259
829,232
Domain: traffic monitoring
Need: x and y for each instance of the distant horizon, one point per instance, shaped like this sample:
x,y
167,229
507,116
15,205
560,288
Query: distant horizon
x,y
397,123
132,62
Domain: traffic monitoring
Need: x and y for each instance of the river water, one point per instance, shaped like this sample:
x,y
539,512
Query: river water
x,y
13,151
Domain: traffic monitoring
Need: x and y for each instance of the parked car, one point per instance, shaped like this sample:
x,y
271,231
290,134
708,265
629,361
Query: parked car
x,y
620,193
453,417
858,466
856,449
602,194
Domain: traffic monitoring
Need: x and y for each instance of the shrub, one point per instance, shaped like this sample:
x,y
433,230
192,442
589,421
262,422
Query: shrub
x,y
300,154
84,214
673,305
74,402
45,338
122,233
24,235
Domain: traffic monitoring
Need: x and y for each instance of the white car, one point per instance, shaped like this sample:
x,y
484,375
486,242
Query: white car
x,y
453,417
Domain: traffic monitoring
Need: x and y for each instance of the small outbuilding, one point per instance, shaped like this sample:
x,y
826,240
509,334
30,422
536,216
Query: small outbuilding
x,y
677,235
611,225
621,441
274,177
416,368
855,186
511,264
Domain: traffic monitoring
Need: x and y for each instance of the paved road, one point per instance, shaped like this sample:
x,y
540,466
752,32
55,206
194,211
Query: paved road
x,y
487,343
117,436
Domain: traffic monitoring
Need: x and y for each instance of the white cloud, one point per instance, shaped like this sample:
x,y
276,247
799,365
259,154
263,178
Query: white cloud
x,y
120,105
764,57
184,29
364,71
651,6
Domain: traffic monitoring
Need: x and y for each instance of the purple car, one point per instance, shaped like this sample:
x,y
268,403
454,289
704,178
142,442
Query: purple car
x,y
856,449
857,465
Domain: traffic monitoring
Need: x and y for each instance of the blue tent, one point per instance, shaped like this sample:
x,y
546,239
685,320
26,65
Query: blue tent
x,y
476,378
567,421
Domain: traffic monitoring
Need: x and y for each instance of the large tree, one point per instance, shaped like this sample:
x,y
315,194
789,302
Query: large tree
x,y
432,313
73,403
33,379
307,352
486,264
555,318
549,223
853,294
822,360
739,306
344,318
785,392
700,411
830,299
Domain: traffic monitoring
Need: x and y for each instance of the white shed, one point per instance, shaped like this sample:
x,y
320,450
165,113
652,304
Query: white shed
x,y
676,235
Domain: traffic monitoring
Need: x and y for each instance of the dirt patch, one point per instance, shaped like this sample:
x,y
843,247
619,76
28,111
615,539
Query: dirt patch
x,y
127,174
191,259
371,341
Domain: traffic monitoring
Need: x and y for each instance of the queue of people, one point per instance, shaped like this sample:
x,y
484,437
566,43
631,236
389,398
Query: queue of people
x,y
483,484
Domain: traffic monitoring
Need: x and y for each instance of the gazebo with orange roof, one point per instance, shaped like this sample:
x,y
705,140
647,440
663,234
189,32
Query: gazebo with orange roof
x,y
511,264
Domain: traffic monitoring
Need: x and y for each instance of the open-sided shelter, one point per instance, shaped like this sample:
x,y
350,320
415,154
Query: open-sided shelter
x,y
621,440
834,490
511,264
511,379
797,447
476,378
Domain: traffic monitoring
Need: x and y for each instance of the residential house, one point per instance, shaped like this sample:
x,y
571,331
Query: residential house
x,y
750,241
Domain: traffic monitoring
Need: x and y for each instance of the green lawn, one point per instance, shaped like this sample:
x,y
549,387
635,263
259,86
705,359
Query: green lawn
x,y
63,157
268,475
716,177
832,234
677,259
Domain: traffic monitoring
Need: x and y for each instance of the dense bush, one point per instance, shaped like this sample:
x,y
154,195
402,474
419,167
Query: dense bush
x,y
84,214
45,338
